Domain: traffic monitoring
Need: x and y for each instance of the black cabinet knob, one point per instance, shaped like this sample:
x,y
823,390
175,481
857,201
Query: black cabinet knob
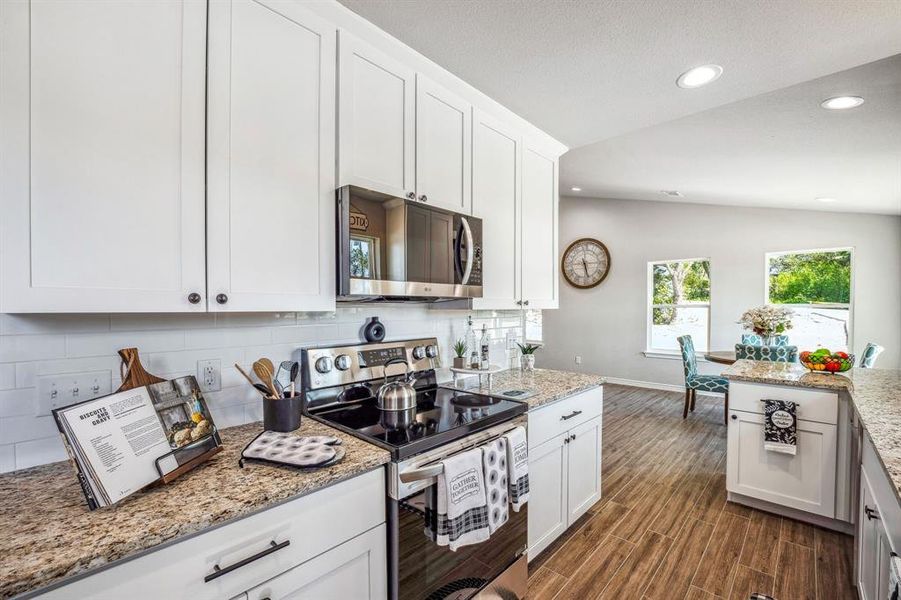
x,y
221,298
734,417
194,298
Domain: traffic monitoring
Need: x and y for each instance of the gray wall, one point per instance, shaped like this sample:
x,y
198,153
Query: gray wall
x,y
607,325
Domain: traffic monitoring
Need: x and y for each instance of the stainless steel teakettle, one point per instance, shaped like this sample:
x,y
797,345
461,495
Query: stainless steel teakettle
x,y
399,394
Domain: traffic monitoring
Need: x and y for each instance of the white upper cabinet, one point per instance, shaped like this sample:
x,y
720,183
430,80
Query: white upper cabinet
x,y
376,119
496,156
271,156
539,227
443,147
102,156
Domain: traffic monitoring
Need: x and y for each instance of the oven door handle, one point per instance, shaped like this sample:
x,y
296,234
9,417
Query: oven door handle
x,y
426,472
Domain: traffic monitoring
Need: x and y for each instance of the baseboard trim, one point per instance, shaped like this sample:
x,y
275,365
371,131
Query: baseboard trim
x,y
652,385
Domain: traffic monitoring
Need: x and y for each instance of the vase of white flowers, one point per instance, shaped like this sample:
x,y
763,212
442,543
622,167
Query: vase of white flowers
x,y
767,322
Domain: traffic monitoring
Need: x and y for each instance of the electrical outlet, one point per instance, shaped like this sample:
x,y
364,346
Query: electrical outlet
x,y
209,375
578,359
57,391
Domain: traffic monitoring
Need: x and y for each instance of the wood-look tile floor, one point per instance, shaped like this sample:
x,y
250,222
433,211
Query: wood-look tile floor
x,y
663,528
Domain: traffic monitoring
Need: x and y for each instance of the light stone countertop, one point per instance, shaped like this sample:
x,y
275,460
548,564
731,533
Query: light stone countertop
x,y
875,395
549,385
48,533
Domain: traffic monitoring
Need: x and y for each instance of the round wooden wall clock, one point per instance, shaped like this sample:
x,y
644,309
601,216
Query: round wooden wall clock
x,y
585,263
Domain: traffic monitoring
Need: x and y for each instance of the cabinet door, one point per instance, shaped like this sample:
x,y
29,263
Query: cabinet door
x,y
443,147
867,544
496,157
102,156
355,569
539,228
583,469
805,481
547,494
376,115
271,184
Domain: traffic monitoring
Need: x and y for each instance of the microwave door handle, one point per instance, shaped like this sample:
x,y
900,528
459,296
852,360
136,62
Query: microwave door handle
x,y
469,250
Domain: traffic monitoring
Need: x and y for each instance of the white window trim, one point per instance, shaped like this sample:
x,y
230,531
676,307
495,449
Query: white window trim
x,y
849,305
650,351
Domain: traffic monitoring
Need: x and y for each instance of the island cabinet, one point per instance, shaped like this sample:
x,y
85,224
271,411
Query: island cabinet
x,y
329,544
878,532
564,465
805,481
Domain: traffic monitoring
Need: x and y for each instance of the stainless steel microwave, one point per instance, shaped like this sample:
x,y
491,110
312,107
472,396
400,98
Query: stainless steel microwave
x,y
395,249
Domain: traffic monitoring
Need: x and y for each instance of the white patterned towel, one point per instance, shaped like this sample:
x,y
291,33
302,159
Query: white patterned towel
x,y
462,515
494,468
518,467
894,577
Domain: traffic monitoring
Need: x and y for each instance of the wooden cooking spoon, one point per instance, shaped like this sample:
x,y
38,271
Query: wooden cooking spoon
x,y
263,369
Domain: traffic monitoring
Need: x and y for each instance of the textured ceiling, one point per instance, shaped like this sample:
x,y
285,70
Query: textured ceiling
x,y
587,70
778,149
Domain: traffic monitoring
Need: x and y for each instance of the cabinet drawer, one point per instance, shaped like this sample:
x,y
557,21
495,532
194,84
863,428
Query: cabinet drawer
x,y
813,405
311,524
552,420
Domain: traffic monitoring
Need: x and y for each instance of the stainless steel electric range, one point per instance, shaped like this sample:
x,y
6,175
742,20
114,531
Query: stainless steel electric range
x,y
340,388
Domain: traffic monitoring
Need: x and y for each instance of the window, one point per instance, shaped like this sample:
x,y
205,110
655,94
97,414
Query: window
x,y
679,303
364,257
816,285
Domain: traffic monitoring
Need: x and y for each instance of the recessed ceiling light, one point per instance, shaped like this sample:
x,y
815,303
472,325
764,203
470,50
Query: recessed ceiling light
x,y
826,199
576,189
673,193
695,78
841,102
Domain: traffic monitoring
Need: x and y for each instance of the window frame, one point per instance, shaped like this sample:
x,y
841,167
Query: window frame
x,y
649,311
850,304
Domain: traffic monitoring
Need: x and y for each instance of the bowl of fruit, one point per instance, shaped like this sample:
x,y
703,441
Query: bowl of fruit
x,y
824,361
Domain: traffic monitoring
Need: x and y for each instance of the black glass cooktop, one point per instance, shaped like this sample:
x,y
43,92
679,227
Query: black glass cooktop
x,y
442,415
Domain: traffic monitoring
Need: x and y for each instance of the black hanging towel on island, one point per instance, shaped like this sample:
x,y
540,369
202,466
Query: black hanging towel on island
x,y
780,428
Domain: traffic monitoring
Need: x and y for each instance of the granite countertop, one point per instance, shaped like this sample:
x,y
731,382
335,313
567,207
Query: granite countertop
x,y
875,395
49,533
549,385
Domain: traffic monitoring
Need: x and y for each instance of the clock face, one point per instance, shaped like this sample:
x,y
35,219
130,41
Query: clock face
x,y
585,263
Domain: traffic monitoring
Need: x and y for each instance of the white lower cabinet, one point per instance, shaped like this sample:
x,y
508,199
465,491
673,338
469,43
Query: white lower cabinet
x,y
317,540
355,569
878,527
564,465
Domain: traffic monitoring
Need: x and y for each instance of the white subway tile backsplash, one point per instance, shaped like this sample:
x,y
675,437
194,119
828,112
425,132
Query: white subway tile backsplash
x,y
18,403
15,348
32,346
39,452
7,458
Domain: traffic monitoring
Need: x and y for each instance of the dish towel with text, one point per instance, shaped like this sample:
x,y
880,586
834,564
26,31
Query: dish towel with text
x,y
518,467
894,588
780,427
494,469
461,517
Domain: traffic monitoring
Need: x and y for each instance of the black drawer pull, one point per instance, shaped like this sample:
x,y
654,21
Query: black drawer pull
x,y
871,513
219,572
574,413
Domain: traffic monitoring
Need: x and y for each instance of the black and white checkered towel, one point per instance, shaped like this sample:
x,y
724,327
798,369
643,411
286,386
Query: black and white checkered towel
x,y
459,516
518,467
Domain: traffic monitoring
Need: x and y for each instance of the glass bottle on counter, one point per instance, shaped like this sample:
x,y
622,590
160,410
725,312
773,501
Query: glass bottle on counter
x,y
483,345
473,362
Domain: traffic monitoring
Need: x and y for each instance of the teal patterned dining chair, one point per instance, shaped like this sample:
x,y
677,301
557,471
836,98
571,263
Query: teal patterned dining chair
x,y
788,354
695,381
870,353
753,339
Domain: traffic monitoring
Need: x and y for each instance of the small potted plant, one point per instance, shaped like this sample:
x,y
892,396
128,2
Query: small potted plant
x,y
527,358
460,354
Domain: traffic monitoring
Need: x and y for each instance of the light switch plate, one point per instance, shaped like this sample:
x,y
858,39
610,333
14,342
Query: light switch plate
x,y
57,391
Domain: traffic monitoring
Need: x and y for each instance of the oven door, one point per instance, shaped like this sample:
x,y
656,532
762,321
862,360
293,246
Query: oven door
x,y
427,570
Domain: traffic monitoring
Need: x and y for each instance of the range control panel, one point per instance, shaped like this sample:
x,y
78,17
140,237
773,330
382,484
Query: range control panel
x,y
341,365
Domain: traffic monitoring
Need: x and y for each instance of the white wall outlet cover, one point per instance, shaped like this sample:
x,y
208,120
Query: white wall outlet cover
x,y
57,391
209,375
578,360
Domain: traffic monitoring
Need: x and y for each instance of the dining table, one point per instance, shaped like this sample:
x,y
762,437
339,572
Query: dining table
x,y
724,357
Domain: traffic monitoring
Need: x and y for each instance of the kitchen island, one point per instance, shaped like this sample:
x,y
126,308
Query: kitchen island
x,y
846,473
51,538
